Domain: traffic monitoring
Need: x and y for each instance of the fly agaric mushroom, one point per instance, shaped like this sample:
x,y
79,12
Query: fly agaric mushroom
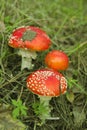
x,y
57,60
46,83
29,39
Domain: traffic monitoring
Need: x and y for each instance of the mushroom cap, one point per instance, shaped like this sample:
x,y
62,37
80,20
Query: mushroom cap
x,y
47,82
29,37
57,60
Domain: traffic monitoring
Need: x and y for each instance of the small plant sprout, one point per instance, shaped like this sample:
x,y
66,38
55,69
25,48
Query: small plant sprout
x,y
19,109
57,60
46,83
28,40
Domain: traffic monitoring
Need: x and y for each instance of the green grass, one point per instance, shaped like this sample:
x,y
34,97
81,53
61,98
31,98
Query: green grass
x,y
65,22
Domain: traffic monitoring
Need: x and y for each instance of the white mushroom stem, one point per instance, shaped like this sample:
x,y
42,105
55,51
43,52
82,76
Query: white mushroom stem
x,y
44,102
27,56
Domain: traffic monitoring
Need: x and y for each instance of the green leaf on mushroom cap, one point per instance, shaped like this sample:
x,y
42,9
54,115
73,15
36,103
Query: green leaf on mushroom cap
x,y
29,35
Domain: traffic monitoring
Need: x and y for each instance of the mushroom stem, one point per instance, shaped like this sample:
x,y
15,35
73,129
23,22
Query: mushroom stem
x,y
27,56
44,102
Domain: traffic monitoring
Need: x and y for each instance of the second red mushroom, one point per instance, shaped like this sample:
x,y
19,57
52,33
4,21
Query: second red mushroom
x,y
46,83
28,40
57,60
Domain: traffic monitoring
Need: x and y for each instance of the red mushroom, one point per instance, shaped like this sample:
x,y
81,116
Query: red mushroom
x,y
57,60
29,39
46,84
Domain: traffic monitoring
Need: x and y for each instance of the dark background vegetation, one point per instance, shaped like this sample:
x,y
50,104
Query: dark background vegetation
x,y
65,21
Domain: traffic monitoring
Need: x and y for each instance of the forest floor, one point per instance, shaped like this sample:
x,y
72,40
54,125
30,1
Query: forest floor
x,y
65,22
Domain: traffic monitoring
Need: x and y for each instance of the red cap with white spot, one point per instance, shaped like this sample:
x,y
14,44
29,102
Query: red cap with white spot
x,y
47,82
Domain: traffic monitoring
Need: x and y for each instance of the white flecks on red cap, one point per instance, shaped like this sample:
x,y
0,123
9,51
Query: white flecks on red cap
x,y
63,83
37,82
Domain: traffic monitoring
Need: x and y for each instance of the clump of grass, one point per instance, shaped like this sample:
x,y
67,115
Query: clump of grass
x,y
66,24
